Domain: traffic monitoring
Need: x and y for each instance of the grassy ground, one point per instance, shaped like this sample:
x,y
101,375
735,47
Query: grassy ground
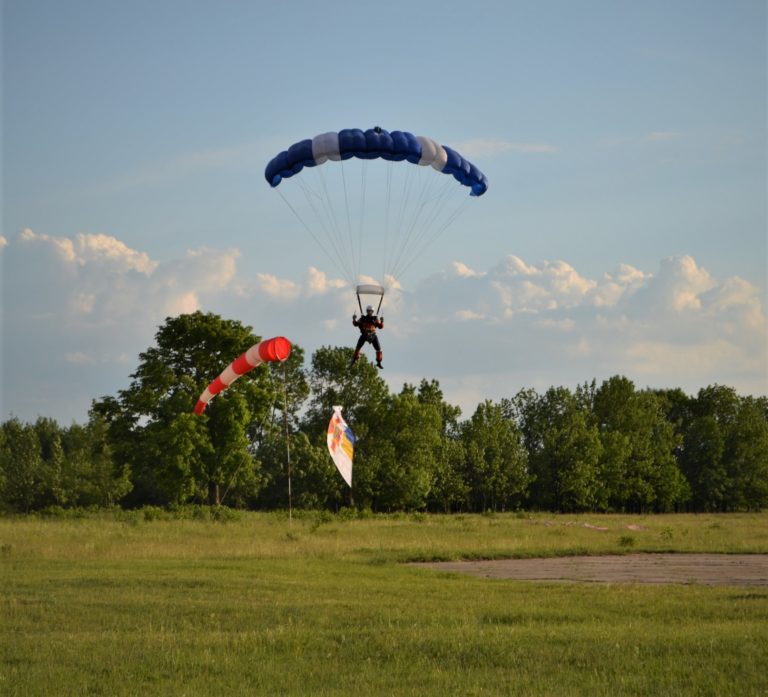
x,y
321,606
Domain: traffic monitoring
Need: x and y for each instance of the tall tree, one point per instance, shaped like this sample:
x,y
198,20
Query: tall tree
x,y
409,431
92,477
496,464
448,490
21,463
746,458
359,389
634,428
49,435
565,449
174,455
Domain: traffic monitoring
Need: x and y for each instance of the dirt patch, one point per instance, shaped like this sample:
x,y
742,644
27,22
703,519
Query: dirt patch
x,y
708,569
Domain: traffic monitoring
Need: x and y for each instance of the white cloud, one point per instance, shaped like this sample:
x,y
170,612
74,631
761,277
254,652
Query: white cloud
x,y
83,307
79,358
462,270
547,323
561,325
658,136
316,282
644,138
87,302
488,147
278,288
468,315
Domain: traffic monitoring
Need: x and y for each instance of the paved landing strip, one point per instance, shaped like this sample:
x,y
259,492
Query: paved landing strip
x,y
707,569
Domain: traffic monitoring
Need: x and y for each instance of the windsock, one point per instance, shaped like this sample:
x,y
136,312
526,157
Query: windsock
x,y
277,349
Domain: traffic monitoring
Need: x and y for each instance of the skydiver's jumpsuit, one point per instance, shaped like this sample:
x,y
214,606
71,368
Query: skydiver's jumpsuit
x,y
368,324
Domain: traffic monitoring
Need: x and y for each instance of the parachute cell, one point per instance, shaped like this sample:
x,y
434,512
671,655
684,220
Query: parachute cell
x,y
270,350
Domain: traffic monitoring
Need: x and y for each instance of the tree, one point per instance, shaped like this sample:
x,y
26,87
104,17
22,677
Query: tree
x,y
496,462
360,390
450,490
278,435
22,467
640,445
315,481
410,433
91,475
564,449
725,453
572,451
174,455
53,490
746,458
702,463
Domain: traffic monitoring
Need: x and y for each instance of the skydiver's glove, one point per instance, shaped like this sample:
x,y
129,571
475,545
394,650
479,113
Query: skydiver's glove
x,y
354,318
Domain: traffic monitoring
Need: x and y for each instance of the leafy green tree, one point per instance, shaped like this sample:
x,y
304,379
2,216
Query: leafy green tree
x,y
702,463
49,435
450,490
496,465
527,411
413,430
359,389
291,386
315,481
364,397
718,401
613,485
726,453
269,438
91,477
746,458
22,467
565,450
649,476
3,455
174,455
572,449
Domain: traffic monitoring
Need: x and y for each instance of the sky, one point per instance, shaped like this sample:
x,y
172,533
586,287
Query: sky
x,y
623,231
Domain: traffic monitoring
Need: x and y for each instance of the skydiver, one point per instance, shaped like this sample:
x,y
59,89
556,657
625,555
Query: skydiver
x,y
368,324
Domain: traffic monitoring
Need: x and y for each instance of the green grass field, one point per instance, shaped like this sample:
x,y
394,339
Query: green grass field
x,y
115,604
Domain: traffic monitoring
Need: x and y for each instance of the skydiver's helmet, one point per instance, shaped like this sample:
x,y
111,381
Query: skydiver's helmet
x,y
369,310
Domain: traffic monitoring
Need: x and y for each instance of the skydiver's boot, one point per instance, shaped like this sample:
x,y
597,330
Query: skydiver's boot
x,y
354,358
379,356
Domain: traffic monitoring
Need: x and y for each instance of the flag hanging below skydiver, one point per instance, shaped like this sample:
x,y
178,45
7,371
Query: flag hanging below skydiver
x,y
341,444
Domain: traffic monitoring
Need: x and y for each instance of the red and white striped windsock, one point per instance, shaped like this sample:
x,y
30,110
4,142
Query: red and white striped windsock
x,y
277,349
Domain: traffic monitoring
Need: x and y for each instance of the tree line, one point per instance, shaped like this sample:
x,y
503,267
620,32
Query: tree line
x,y
601,448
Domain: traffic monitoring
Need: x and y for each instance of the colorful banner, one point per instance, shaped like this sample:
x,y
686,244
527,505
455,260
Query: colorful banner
x,y
341,444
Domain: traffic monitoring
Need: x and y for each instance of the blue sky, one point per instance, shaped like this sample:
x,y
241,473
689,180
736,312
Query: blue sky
x,y
624,230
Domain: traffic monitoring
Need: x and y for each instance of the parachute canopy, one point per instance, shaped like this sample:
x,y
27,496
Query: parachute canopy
x,y
371,211
341,444
371,144
277,349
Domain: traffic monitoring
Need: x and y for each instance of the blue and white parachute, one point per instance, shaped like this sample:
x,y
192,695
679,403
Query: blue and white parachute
x,y
373,219
369,145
